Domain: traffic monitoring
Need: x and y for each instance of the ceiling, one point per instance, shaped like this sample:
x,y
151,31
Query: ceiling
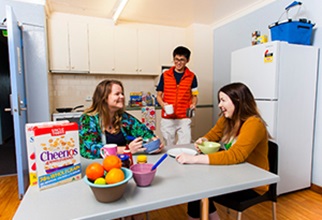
x,y
180,13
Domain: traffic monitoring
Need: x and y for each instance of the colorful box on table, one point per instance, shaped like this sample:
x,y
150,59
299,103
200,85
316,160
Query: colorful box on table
x,y
54,156
30,140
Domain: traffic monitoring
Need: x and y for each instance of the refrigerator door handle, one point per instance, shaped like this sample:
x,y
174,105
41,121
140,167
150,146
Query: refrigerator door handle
x,y
266,100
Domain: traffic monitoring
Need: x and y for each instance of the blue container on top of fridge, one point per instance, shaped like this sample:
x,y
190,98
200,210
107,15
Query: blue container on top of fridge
x,y
292,31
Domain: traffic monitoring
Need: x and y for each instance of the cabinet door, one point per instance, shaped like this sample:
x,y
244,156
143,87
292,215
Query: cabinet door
x,y
202,122
101,48
170,38
148,51
58,45
78,45
126,50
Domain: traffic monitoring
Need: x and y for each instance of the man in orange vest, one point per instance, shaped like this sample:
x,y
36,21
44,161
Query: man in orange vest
x,y
177,95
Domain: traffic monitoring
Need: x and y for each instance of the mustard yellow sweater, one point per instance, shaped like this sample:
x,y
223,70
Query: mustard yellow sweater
x,y
251,146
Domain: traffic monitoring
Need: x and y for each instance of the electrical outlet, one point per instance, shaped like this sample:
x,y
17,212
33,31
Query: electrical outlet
x,y
88,98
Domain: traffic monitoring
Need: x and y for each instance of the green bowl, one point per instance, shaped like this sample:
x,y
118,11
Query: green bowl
x,y
208,147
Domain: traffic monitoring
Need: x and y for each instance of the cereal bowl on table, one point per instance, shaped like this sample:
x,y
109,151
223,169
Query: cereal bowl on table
x,y
110,192
142,174
208,147
152,146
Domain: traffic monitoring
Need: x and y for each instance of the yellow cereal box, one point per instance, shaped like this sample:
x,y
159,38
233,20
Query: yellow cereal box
x,y
57,154
30,140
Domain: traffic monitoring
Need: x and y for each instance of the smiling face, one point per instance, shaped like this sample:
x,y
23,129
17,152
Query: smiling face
x,y
226,105
115,99
180,62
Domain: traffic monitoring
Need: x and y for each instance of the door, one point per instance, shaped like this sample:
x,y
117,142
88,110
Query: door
x,y
18,99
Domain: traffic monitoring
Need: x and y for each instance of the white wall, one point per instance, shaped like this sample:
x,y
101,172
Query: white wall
x,y
237,34
200,40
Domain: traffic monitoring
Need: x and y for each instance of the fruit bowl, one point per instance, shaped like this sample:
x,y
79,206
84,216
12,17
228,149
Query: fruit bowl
x,y
110,192
208,147
142,174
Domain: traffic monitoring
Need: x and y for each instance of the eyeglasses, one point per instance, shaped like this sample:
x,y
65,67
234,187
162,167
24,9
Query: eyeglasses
x,y
176,60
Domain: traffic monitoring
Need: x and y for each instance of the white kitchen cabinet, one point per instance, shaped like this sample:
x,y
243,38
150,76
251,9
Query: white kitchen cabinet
x,y
126,50
78,48
170,38
136,51
58,45
68,46
101,48
148,51
91,45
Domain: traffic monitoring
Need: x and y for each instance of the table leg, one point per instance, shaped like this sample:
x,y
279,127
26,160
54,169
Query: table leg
x,y
204,209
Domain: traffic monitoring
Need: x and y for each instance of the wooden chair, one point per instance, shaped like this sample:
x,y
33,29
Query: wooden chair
x,y
231,201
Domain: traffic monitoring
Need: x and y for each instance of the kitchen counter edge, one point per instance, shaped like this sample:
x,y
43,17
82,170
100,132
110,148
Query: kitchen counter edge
x,y
129,108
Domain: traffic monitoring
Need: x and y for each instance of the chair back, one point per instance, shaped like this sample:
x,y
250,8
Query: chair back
x,y
273,167
273,157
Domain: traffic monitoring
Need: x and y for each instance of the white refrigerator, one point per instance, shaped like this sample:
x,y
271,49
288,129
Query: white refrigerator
x,y
283,79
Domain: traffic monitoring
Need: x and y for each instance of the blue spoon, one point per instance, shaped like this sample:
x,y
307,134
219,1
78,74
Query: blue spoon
x,y
159,161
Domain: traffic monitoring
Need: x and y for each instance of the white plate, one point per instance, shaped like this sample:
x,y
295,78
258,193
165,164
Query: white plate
x,y
176,151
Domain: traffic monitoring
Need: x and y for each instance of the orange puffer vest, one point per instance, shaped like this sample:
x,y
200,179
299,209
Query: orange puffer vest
x,y
178,95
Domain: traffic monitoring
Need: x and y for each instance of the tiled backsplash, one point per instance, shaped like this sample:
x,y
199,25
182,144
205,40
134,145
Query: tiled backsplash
x,y
69,90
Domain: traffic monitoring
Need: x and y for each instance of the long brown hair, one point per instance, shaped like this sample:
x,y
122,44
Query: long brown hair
x,y
245,107
100,106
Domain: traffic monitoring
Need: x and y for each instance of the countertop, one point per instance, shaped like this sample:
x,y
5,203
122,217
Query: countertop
x,y
129,108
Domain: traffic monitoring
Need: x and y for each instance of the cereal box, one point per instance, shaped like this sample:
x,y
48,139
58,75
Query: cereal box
x,y
30,140
57,154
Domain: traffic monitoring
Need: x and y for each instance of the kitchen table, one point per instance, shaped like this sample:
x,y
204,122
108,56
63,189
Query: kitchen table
x,y
173,184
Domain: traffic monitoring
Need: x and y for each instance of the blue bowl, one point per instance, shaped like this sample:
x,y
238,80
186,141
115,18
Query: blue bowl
x,y
152,146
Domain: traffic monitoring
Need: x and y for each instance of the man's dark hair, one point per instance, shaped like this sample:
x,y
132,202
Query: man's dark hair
x,y
182,51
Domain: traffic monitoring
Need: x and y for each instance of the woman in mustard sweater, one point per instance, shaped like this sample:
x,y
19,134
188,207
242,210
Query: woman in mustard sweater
x,y
242,131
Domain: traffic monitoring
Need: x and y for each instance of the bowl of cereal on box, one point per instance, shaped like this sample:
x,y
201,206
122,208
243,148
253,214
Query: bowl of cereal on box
x,y
107,181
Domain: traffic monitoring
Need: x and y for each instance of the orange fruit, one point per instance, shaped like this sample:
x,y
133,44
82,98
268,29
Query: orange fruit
x,y
111,161
115,175
94,171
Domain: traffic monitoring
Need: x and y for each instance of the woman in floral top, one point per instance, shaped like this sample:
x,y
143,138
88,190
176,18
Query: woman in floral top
x,y
106,121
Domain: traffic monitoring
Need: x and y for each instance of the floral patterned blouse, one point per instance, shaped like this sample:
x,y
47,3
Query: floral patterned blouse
x,y
91,138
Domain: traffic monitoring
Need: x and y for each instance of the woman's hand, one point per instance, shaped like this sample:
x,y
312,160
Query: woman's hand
x,y
161,145
199,141
136,145
184,158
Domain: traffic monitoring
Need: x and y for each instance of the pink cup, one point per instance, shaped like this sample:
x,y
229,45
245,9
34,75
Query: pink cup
x,y
108,149
142,174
